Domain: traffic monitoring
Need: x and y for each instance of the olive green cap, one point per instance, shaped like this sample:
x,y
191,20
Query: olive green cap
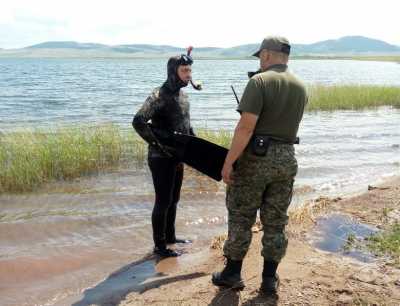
x,y
274,43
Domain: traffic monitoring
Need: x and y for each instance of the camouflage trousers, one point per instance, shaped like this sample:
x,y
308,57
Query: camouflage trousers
x,y
265,184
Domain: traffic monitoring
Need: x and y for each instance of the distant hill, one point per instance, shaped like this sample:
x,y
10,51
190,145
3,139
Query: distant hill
x,y
66,45
140,48
348,45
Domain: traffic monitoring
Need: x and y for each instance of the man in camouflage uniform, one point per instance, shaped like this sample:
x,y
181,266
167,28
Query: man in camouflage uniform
x,y
262,150
168,110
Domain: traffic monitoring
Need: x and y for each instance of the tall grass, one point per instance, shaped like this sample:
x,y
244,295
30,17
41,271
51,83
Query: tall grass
x,y
31,158
220,137
380,58
377,58
352,97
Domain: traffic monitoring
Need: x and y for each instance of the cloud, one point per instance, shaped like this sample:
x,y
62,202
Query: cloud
x,y
6,15
203,23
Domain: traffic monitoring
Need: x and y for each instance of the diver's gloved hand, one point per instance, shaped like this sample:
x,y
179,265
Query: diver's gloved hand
x,y
168,151
152,140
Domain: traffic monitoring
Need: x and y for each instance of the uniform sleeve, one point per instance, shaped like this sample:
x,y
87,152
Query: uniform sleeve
x,y
252,101
142,117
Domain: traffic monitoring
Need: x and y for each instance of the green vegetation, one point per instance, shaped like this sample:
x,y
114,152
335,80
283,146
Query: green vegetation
x,y
351,242
352,97
221,137
387,243
28,159
31,158
379,58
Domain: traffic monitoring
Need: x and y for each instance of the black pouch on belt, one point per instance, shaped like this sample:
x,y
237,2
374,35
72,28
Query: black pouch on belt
x,y
259,145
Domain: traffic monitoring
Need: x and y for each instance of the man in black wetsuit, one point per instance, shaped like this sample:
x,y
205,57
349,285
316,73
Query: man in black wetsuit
x,y
168,109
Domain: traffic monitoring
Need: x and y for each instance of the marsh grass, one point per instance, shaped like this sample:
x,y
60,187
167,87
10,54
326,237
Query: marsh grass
x,y
352,97
382,58
31,158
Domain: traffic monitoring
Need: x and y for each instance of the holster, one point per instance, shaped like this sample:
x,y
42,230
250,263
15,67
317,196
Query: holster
x,y
259,143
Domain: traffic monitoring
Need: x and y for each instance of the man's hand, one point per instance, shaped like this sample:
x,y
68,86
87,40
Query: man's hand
x,y
243,132
227,173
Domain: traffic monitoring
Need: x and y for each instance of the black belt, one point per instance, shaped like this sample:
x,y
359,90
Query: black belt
x,y
259,143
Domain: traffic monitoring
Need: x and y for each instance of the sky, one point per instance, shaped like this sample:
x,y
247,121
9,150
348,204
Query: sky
x,y
205,23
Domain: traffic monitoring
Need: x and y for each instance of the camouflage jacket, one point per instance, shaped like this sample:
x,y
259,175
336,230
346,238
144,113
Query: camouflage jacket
x,y
168,112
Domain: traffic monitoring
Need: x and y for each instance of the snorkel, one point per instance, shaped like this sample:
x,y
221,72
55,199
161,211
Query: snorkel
x,y
174,83
196,85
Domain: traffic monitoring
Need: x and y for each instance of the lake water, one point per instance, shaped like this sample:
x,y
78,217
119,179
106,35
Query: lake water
x,y
52,91
69,237
337,149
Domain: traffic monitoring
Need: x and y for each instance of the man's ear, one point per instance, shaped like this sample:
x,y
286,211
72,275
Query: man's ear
x,y
267,55
262,55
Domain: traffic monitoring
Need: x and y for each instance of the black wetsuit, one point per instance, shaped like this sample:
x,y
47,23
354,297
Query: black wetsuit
x,y
168,109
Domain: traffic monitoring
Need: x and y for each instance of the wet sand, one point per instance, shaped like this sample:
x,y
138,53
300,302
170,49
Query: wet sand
x,y
88,242
70,236
308,276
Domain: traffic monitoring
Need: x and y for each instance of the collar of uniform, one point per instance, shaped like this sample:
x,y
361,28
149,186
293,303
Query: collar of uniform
x,y
277,67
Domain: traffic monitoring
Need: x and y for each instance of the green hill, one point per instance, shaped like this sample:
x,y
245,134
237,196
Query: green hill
x,y
345,46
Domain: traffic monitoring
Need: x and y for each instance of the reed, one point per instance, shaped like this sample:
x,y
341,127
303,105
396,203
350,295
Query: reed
x,y
220,137
382,58
352,97
30,158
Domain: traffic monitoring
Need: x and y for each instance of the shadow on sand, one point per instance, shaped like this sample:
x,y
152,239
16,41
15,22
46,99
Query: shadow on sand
x,y
135,277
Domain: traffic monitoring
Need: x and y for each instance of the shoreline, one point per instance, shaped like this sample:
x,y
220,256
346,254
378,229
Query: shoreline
x,y
380,58
144,280
33,157
308,276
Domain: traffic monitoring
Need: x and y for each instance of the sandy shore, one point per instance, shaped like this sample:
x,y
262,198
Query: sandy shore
x,y
308,276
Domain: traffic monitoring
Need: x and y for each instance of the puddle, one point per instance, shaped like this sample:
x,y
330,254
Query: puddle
x,y
333,233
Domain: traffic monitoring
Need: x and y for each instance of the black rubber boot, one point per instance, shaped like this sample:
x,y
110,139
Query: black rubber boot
x,y
270,284
164,252
270,280
230,275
